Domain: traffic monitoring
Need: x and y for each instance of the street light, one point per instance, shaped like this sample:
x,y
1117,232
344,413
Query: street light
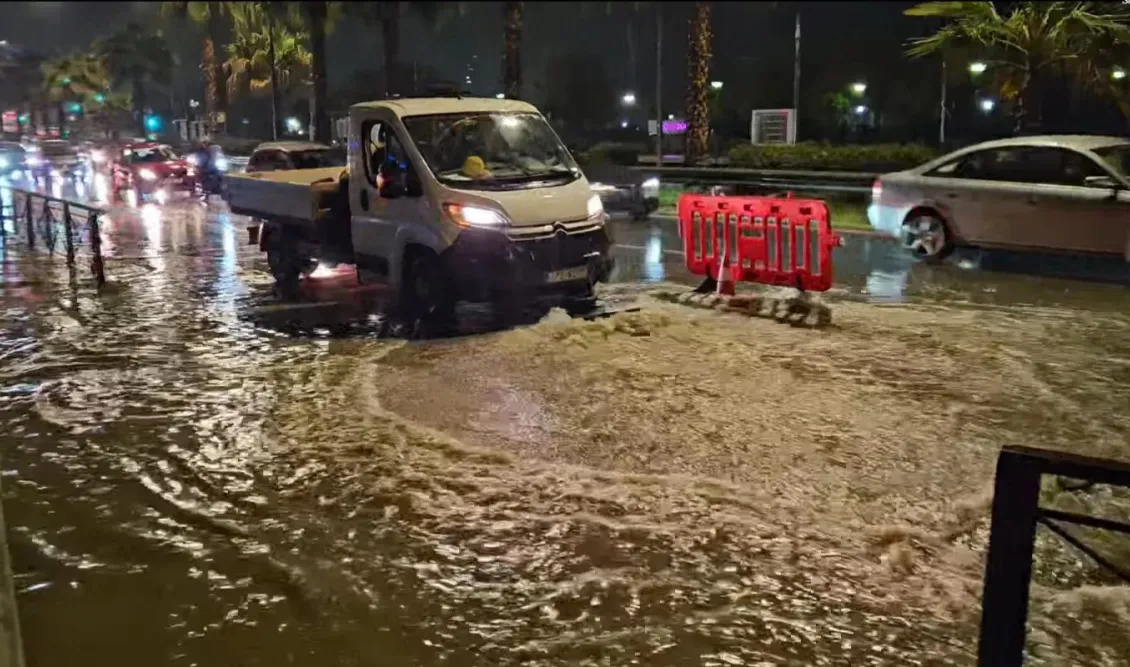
x,y
716,85
628,99
987,105
859,88
1118,74
977,68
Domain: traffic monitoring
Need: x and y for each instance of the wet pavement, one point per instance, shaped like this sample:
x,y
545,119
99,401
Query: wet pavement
x,y
196,474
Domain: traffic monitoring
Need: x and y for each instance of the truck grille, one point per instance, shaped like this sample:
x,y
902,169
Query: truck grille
x,y
561,251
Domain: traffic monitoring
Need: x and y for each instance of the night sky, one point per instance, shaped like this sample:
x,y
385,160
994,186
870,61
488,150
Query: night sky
x,y
753,41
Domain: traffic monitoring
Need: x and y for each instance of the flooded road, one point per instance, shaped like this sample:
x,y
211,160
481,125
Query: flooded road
x,y
195,474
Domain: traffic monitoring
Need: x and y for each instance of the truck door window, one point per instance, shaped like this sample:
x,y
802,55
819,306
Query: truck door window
x,y
382,148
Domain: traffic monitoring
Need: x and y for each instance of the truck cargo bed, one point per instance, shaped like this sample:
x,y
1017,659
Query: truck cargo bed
x,y
301,195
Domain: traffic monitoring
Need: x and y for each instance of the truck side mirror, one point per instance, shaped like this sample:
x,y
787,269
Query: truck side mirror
x,y
392,182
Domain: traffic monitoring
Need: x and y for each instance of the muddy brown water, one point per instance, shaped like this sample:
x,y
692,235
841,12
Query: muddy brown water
x,y
197,475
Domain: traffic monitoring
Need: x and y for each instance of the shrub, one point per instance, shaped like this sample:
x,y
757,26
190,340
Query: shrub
x,y
831,157
609,152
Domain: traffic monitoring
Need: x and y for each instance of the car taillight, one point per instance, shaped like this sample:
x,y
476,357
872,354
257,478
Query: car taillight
x,y
876,190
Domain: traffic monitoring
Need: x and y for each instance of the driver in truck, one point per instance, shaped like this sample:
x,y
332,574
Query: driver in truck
x,y
446,199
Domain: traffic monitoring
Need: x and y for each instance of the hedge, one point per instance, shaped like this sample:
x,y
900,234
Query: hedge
x,y
832,157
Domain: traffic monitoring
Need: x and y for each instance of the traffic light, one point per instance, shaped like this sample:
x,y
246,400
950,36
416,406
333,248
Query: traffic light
x,y
153,123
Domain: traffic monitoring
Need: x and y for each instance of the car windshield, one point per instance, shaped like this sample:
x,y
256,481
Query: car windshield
x,y
150,154
491,150
316,158
1117,158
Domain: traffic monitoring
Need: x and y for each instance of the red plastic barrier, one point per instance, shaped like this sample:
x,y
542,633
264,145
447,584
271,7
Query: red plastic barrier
x,y
756,239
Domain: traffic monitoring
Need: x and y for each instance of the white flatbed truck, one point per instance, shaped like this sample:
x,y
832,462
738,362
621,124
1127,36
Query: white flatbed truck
x,y
443,199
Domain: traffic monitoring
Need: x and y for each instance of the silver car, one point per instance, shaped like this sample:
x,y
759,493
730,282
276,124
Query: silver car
x,y
1061,193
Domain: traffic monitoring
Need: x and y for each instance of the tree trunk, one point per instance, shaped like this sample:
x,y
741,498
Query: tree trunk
x,y
316,22
137,91
274,77
390,34
1027,113
512,49
212,85
216,35
698,82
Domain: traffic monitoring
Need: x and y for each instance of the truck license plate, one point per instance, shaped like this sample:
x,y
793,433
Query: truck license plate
x,y
566,275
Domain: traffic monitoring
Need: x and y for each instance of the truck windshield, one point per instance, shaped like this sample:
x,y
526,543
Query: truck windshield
x,y
491,150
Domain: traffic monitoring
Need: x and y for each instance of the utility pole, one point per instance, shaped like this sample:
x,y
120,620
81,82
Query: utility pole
x,y
658,85
942,118
796,75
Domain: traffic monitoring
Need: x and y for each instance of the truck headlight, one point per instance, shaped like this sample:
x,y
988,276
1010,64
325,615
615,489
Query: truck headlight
x,y
147,175
474,216
596,208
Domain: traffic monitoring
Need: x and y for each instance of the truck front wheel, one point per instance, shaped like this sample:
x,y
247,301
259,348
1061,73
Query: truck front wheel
x,y
427,300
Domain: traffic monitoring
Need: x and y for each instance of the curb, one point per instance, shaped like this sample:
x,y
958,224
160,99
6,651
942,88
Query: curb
x,y
11,644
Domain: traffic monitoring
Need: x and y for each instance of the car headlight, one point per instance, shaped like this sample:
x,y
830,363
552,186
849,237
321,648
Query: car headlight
x,y
147,175
474,216
595,208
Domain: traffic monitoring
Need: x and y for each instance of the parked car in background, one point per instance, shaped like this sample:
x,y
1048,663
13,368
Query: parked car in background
x,y
1059,193
286,155
55,159
13,159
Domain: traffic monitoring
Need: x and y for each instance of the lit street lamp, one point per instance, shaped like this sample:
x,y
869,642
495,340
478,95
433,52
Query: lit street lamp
x,y
859,88
977,68
629,99
716,85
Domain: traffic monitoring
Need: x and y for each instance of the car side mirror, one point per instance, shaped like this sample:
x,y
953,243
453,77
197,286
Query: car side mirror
x,y
1104,182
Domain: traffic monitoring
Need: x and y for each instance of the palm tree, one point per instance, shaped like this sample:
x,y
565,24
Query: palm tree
x,y
387,15
698,82
73,78
1027,48
211,15
139,59
512,49
264,55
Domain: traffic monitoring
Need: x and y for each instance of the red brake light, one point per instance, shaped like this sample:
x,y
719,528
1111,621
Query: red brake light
x,y
876,190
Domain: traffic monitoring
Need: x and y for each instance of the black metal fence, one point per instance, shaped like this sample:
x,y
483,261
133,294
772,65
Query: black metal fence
x,y
41,222
1015,515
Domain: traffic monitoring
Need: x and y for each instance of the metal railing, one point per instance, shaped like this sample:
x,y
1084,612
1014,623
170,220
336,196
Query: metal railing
x,y
37,219
817,181
1016,513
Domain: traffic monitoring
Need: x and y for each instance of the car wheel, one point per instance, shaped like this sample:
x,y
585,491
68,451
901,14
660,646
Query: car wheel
x,y
926,236
427,302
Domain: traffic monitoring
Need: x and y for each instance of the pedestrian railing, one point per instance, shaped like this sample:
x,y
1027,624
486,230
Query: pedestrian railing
x,y
1012,535
41,222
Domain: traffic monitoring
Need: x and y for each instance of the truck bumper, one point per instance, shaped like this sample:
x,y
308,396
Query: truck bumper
x,y
487,265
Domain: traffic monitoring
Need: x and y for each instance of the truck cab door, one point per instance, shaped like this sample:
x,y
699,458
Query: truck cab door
x,y
380,207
